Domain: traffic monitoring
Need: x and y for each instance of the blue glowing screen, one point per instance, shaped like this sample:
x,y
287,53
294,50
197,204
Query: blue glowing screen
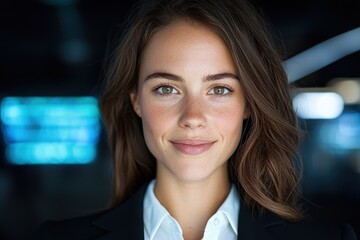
x,y
50,130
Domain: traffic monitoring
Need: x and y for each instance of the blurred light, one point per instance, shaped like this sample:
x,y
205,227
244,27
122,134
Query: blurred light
x,y
50,153
349,89
342,134
50,130
318,105
322,54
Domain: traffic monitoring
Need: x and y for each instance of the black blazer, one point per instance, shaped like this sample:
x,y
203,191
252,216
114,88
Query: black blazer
x,y
126,223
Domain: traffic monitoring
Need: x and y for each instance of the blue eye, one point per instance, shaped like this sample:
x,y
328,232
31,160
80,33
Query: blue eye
x,y
220,91
166,90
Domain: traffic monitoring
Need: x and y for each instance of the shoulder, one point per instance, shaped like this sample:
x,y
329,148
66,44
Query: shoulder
x,y
122,221
315,225
319,229
318,223
74,228
321,221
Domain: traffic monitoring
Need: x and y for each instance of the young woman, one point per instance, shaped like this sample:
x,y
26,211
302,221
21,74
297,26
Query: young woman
x,y
202,132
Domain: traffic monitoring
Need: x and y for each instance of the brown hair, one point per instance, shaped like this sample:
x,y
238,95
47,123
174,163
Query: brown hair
x,y
264,164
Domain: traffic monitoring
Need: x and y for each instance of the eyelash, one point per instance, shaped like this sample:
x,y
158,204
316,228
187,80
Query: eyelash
x,y
230,90
158,87
156,90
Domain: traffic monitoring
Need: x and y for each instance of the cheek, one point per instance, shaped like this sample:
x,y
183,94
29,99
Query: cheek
x,y
230,119
155,120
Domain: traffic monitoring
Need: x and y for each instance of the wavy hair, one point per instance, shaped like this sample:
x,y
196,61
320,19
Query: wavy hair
x,y
264,166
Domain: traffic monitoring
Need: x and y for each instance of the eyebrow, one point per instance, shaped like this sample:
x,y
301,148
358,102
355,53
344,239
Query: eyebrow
x,y
207,78
219,76
163,75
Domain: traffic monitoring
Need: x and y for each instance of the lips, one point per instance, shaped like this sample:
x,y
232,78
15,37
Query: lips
x,y
191,146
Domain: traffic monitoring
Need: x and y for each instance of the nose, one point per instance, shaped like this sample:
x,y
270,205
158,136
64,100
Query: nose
x,y
192,113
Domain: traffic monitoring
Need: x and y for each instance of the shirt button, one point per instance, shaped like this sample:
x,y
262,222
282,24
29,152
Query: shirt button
x,y
216,221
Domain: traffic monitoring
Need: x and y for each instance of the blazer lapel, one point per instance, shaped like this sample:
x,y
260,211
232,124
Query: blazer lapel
x,y
126,221
254,226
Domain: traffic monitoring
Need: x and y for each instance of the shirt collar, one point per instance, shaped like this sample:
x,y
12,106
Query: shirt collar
x,y
231,207
155,213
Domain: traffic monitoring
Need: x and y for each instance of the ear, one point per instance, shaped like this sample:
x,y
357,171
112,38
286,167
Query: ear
x,y
134,98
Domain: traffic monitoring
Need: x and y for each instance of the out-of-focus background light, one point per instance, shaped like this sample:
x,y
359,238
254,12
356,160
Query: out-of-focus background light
x,y
322,54
50,130
342,135
348,88
318,105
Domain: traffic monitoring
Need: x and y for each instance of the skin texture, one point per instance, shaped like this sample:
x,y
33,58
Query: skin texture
x,y
192,109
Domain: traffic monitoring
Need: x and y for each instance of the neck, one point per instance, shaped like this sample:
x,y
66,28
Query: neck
x,y
192,203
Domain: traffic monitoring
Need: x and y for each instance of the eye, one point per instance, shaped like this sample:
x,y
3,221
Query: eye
x,y
166,90
220,91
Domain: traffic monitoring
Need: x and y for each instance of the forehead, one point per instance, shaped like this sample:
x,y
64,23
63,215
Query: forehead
x,y
180,33
185,43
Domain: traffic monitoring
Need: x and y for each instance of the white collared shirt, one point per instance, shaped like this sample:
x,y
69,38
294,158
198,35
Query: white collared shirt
x,y
160,225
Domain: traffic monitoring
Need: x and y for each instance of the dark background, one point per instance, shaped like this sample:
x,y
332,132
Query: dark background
x,y
57,48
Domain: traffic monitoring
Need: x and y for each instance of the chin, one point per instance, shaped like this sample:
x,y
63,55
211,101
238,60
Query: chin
x,y
198,173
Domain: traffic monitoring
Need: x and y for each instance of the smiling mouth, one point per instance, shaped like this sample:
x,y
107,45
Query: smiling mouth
x,y
192,147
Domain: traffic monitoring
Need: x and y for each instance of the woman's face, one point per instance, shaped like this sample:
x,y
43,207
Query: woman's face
x,y
190,101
